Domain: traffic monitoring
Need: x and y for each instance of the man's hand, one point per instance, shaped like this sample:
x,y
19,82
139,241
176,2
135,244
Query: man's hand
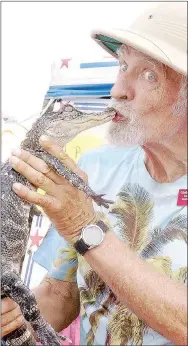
x,y
63,306
11,316
68,208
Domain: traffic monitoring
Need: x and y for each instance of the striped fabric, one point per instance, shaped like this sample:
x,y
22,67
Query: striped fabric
x,y
86,83
76,90
95,107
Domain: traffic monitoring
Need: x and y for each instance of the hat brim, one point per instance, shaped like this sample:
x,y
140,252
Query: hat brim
x,y
157,49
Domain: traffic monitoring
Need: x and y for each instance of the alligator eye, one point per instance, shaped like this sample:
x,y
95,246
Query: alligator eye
x,y
66,116
68,109
74,115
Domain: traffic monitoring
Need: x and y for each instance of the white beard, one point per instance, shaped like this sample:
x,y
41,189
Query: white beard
x,y
123,134
129,133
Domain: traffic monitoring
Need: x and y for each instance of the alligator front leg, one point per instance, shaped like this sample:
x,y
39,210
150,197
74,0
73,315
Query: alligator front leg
x,y
13,287
73,179
20,337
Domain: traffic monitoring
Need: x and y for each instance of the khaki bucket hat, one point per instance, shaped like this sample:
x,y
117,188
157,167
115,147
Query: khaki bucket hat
x,y
160,32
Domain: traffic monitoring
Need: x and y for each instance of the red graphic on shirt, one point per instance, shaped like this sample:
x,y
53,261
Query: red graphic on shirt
x,y
35,239
65,62
182,197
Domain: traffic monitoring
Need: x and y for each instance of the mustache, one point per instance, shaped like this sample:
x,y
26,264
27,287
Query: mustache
x,y
123,108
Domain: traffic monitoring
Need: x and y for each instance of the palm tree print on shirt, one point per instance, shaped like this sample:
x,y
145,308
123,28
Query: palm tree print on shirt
x,y
133,209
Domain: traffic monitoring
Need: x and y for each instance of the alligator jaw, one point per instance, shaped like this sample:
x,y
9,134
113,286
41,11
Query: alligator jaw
x,y
71,128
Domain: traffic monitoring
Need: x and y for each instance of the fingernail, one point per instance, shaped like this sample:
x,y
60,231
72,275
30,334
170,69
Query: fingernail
x,y
16,152
17,186
44,138
13,160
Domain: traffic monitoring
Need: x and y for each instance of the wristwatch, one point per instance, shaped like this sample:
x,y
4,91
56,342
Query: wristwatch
x,y
91,236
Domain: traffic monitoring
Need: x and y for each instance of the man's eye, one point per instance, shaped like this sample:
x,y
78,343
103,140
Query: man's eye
x,y
150,76
124,67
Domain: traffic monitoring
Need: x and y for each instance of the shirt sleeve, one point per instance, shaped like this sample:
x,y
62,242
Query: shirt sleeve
x,y
64,266
56,255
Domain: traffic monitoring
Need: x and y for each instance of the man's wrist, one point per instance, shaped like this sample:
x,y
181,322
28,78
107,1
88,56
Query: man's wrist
x,y
73,239
91,236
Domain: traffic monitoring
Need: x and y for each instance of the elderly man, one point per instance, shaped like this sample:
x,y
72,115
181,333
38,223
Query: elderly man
x,y
131,262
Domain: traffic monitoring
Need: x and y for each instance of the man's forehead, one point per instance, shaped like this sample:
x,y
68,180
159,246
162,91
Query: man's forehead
x,y
124,50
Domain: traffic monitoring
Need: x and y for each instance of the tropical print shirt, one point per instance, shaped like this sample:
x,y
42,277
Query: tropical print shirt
x,y
145,215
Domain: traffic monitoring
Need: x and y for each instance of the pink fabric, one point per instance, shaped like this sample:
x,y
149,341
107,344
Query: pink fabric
x,y
72,332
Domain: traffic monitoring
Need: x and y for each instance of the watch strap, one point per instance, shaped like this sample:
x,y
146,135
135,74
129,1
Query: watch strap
x,y
102,225
81,247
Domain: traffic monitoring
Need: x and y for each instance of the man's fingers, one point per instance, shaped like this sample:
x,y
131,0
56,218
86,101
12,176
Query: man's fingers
x,y
7,304
32,161
45,201
10,316
55,150
7,329
37,164
36,178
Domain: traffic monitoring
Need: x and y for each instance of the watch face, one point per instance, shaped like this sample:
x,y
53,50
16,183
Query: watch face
x,y
92,235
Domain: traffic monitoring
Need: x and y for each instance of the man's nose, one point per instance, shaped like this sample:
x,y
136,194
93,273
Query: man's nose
x,y
122,89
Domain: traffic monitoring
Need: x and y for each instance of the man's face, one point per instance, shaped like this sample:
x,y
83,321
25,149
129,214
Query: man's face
x,y
145,95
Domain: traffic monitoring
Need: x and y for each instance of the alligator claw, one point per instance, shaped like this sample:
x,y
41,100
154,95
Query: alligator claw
x,y
101,201
64,338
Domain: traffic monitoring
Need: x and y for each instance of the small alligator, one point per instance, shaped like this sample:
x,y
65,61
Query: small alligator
x,y
61,126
